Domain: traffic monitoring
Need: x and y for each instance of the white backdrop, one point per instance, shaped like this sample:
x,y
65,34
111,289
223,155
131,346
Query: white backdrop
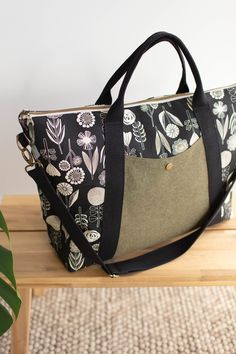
x,y
57,53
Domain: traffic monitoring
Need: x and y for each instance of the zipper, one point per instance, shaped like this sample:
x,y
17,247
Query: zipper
x,y
28,114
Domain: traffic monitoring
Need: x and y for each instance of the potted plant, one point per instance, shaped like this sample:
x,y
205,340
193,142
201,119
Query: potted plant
x,y
10,301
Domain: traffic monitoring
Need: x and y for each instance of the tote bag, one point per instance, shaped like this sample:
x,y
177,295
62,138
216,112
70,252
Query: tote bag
x,y
131,186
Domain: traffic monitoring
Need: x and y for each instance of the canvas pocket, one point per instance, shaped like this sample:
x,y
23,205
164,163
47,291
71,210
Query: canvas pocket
x,y
163,198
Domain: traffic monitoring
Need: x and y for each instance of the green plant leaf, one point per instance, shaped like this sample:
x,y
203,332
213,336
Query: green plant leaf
x,y
3,224
9,295
9,309
6,265
6,320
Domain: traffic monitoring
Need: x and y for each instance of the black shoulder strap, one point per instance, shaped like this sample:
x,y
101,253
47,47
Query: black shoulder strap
x,y
149,260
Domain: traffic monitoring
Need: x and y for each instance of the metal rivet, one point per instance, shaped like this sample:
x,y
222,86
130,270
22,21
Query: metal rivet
x,y
169,166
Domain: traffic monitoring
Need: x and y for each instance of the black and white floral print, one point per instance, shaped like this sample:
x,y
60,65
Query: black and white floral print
x,y
64,188
72,151
75,176
86,119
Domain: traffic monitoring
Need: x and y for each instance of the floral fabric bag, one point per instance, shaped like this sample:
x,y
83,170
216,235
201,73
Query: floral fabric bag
x,y
132,186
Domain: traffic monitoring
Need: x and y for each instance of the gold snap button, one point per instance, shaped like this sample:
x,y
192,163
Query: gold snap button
x,y
169,166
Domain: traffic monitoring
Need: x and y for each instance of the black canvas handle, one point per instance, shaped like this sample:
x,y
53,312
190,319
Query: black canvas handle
x,y
199,97
106,98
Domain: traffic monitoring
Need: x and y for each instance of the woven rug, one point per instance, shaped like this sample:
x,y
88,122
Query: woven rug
x,y
133,321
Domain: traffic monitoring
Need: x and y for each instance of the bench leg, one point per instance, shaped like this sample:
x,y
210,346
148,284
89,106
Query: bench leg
x,y
20,329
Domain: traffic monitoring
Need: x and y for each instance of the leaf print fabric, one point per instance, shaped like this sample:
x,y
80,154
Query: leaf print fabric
x,y
52,170
139,133
55,131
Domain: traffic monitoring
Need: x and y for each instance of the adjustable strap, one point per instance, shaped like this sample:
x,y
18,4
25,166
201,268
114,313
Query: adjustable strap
x,y
149,260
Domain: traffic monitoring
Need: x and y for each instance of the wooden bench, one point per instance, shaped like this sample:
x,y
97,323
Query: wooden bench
x,y
211,261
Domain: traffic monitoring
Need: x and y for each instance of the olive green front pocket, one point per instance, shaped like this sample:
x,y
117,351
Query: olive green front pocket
x,y
163,198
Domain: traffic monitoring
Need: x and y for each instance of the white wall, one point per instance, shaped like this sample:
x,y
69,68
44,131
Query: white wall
x,y
57,53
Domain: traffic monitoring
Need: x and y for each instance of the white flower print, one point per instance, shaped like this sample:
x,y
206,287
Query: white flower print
x,y
129,117
219,109
48,153
64,188
86,140
64,165
77,160
92,235
154,105
75,175
86,119
179,146
172,130
144,108
131,152
191,123
102,178
217,94
231,142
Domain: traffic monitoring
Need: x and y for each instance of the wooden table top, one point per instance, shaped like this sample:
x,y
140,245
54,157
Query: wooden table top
x,y
210,261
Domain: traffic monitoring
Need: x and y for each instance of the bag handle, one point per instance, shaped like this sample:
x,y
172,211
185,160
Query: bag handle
x,y
149,260
106,98
199,97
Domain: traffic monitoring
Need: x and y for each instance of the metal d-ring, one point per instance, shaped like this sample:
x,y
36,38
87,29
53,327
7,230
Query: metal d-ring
x,y
27,156
25,152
